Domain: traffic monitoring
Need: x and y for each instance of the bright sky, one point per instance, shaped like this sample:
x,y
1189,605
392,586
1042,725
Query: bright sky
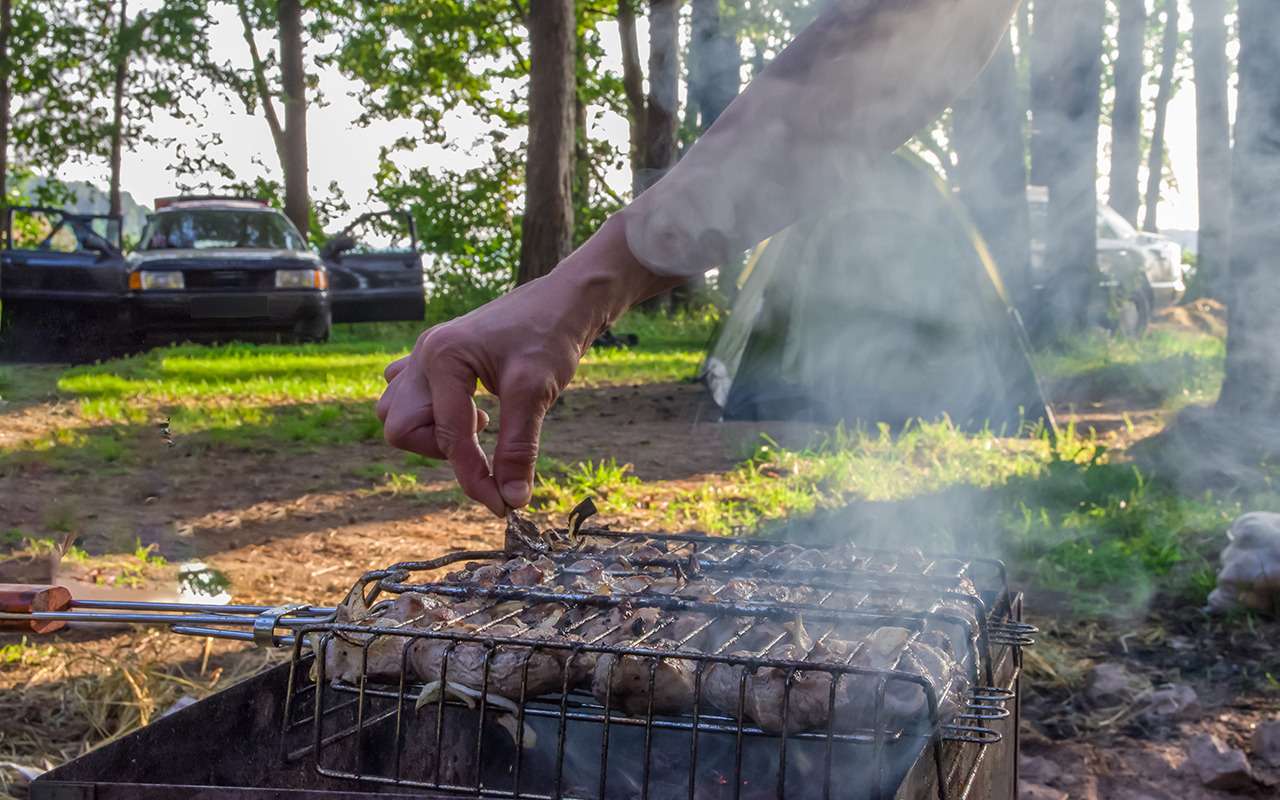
x,y
342,152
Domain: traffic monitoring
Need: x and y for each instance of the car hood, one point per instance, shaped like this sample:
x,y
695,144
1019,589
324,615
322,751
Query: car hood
x,y
228,258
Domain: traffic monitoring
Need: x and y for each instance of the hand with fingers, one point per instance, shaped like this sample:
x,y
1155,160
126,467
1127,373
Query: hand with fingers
x,y
524,348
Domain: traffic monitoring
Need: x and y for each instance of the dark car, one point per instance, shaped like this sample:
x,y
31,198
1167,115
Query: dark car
x,y
204,269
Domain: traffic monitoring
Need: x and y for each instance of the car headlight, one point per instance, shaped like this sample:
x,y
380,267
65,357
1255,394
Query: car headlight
x,y
301,279
151,280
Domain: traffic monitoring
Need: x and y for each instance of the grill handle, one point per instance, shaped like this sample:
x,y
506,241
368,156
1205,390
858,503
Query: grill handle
x,y
26,598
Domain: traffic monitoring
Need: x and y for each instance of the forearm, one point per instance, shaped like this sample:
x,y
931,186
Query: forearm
x,y
604,278
854,85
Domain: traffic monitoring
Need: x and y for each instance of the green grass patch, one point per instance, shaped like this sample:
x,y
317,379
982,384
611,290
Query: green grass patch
x,y
250,397
1165,368
1087,533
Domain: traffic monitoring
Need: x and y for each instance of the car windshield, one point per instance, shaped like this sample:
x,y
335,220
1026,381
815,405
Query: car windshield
x,y
1119,225
204,229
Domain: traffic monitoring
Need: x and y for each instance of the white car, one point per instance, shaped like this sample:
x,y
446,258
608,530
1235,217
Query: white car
x,y
1166,274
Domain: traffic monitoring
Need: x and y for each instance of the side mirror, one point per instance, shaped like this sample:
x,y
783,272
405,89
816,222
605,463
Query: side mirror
x,y
335,247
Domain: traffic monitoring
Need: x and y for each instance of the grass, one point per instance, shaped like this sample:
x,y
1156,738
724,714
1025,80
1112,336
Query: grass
x,y
1166,368
1080,528
264,397
58,705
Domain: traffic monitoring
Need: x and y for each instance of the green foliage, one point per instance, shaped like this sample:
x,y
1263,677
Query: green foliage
x,y
558,491
25,653
1170,368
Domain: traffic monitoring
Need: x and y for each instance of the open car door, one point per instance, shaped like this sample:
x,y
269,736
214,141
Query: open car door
x,y
61,273
375,270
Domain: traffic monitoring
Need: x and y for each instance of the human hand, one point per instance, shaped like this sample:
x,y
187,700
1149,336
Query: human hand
x,y
523,347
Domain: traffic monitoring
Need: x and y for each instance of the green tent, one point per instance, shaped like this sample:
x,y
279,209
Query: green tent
x,y
887,309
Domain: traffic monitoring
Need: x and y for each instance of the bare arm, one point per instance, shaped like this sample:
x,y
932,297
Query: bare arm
x,y
855,84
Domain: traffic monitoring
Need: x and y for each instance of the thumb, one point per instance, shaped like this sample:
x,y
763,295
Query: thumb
x,y
523,406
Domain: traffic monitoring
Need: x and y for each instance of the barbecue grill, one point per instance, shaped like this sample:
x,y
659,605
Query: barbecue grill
x,y
307,728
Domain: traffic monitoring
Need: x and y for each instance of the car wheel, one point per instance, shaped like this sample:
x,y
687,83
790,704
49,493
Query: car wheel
x,y
1131,315
315,331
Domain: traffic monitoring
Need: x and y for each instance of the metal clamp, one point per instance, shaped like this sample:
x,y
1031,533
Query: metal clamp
x,y
264,625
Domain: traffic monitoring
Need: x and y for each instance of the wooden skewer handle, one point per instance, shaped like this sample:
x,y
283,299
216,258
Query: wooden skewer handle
x,y
24,598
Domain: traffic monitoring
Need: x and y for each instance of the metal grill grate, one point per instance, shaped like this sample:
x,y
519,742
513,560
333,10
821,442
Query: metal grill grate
x,y
781,686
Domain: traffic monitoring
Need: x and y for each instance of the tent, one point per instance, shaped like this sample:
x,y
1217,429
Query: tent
x,y
887,309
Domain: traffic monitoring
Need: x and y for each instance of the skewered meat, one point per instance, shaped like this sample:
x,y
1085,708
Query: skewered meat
x,y
893,648
344,655
464,662
624,682
771,694
604,627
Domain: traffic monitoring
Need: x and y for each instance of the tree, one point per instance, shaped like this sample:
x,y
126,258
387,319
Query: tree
x,y
654,117
1156,155
149,66
297,202
1067,73
120,70
6,32
1213,142
547,229
52,114
289,137
1251,388
715,64
991,167
1126,115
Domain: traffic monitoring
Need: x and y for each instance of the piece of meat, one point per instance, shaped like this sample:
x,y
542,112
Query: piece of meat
x,y
765,701
464,662
344,655
522,572
624,682
594,626
776,699
904,702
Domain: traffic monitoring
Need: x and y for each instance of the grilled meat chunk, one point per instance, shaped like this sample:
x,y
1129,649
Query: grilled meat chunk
x,y
892,648
624,682
345,654
464,662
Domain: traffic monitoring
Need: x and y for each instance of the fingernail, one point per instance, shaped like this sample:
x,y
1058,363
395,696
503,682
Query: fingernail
x,y
516,493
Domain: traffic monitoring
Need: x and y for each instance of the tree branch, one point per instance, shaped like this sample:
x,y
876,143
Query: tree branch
x,y
632,74
260,83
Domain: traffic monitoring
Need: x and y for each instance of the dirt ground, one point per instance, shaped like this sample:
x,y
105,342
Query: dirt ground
x,y
289,527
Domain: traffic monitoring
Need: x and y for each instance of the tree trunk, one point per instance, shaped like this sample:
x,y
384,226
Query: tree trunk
x,y
658,150
259,69
1251,389
1155,158
117,108
6,32
1039,86
1126,116
632,87
991,173
1213,143
715,76
715,64
547,229
297,204
1067,63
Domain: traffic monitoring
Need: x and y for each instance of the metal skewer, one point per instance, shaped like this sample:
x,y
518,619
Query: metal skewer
x,y
45,609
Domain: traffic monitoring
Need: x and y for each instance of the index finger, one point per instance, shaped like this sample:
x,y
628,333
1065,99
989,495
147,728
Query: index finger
x,y
453,383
